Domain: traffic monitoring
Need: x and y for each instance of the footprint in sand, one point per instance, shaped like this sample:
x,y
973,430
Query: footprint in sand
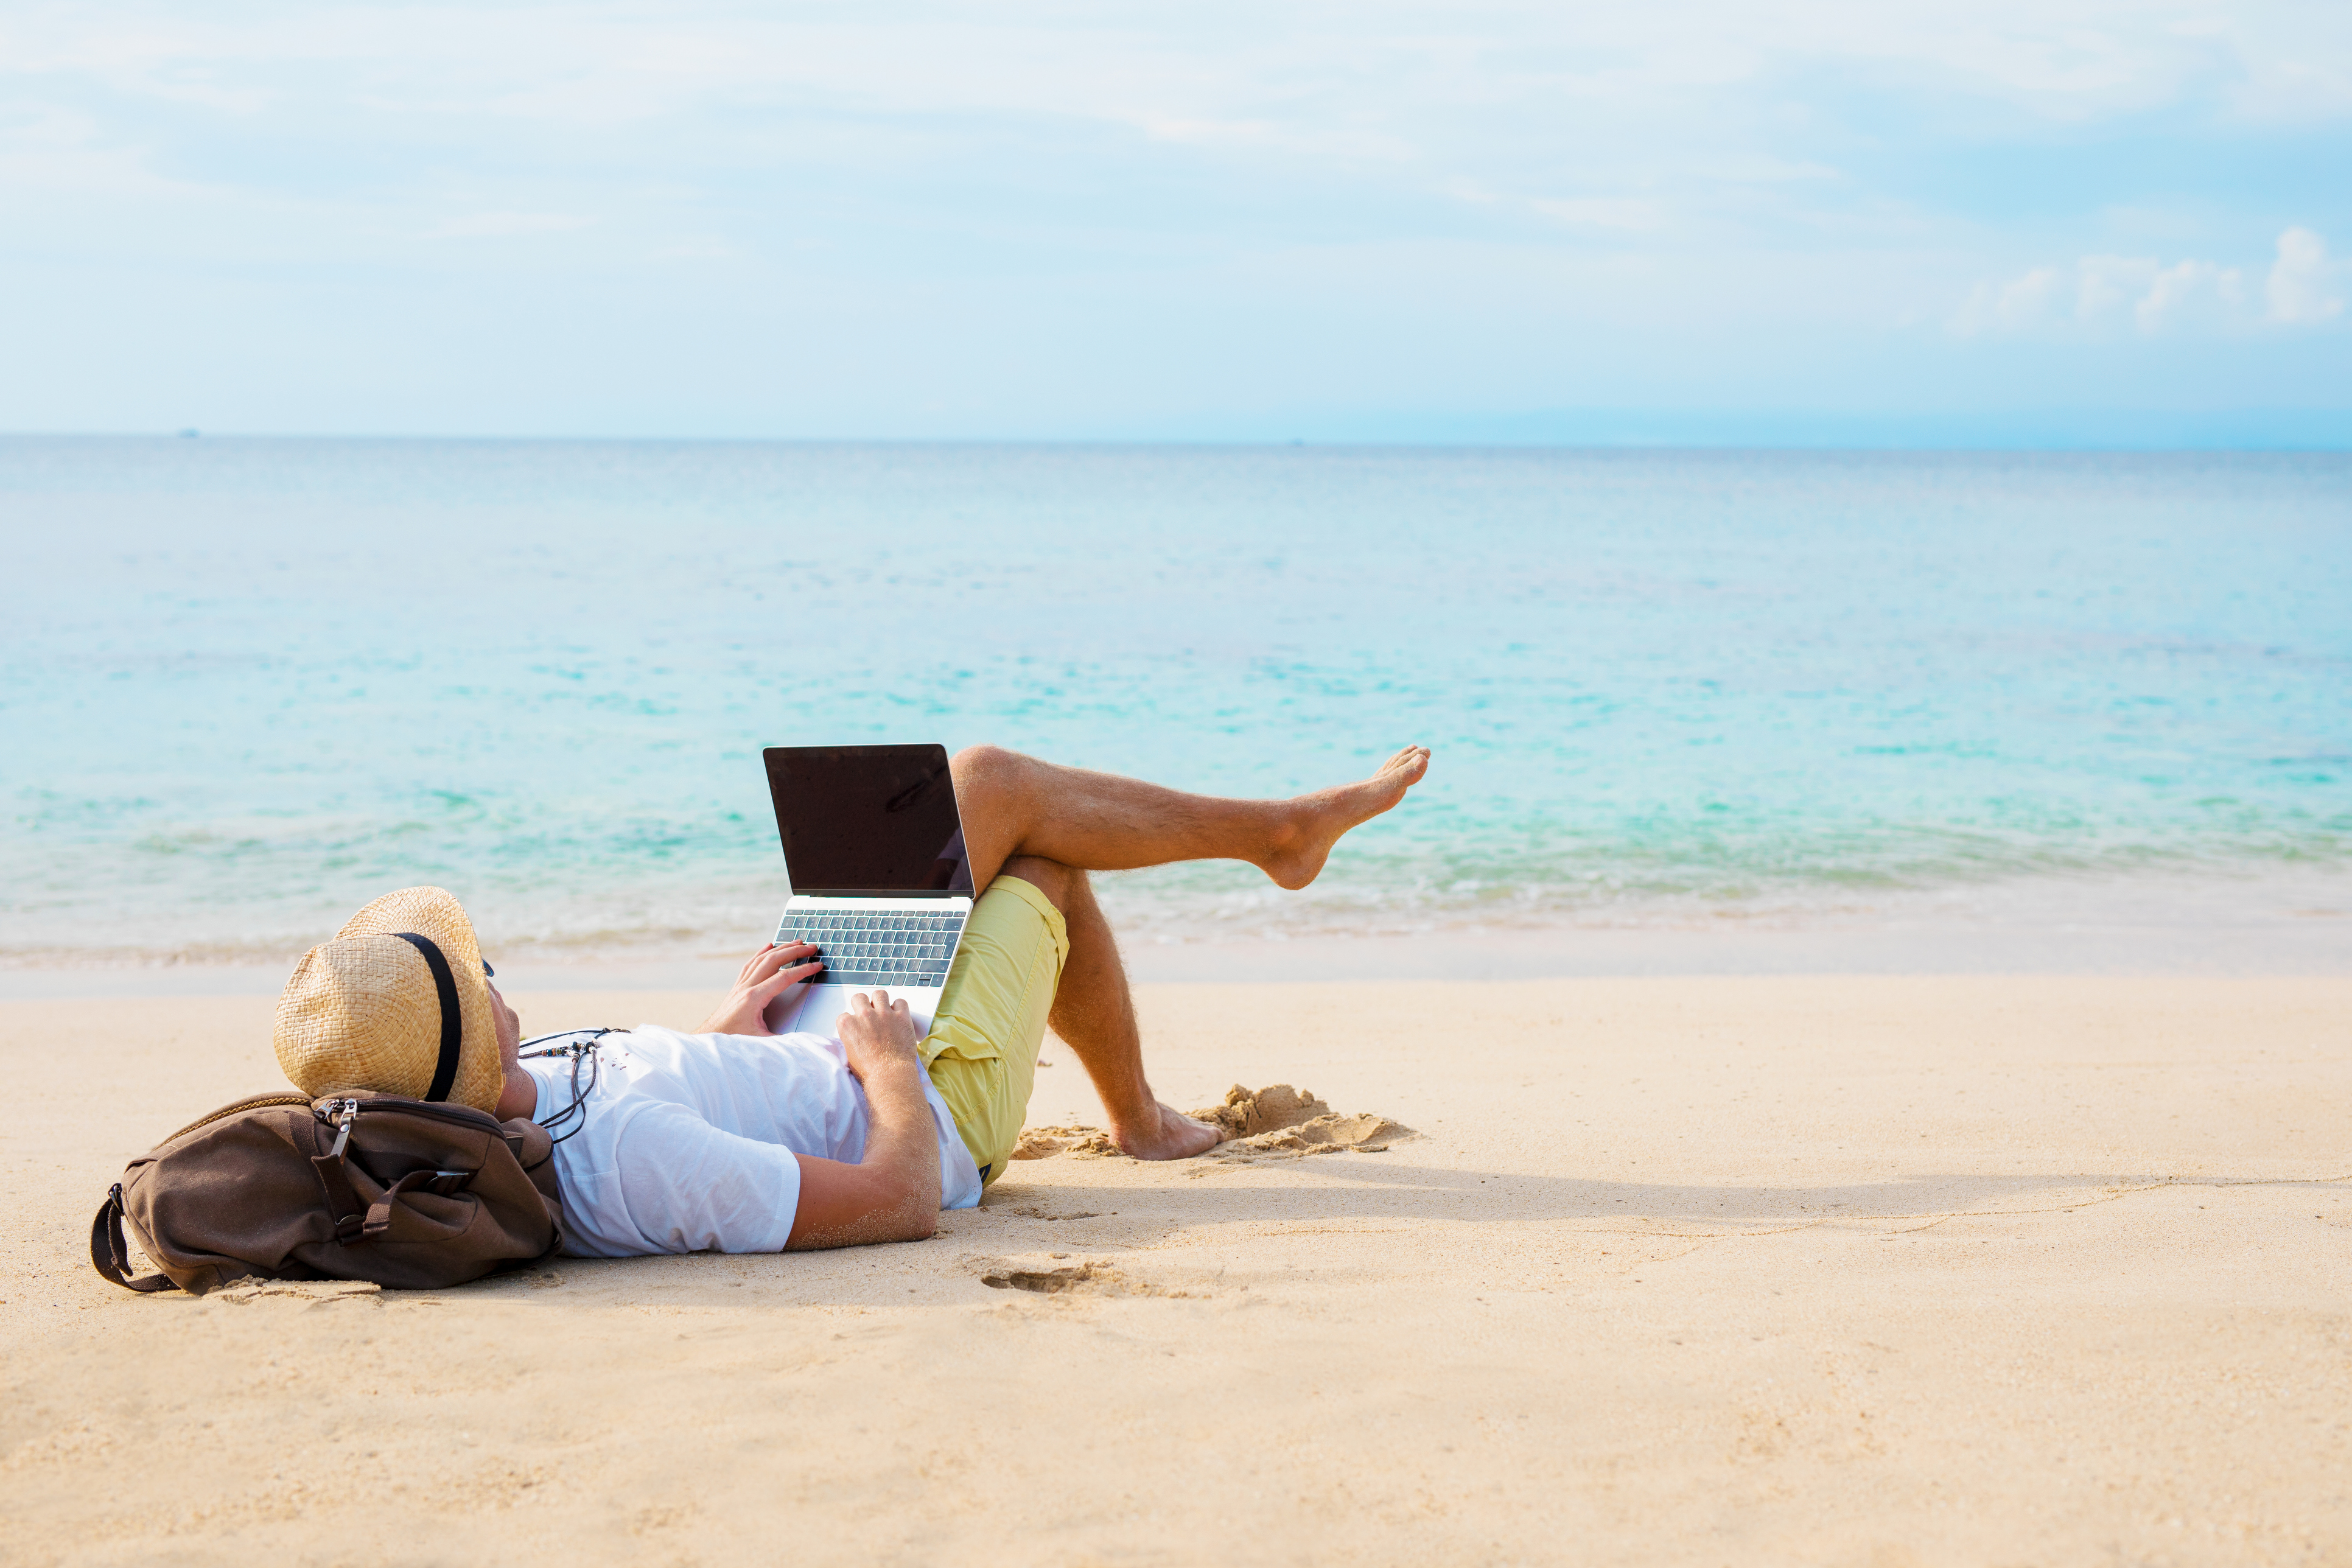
x,y
1083,1280
1049,1281
1086,1279
1276,1121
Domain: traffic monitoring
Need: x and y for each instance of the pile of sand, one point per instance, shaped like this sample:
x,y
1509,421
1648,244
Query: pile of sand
x,y
1044,1142
1275,1121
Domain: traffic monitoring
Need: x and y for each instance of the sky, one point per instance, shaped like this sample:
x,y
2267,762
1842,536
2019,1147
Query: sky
x,y
1979,222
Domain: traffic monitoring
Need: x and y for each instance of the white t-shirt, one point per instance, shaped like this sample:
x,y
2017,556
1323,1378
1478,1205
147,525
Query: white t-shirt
x,y
688,1141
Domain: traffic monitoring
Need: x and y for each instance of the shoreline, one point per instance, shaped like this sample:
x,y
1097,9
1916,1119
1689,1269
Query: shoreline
x,y
2251,922
2314,945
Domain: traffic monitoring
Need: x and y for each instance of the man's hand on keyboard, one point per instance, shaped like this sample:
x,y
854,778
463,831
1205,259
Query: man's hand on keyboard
x,y
770,973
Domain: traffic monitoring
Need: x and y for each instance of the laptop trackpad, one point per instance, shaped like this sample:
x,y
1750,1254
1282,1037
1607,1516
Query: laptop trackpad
x,y
817,1009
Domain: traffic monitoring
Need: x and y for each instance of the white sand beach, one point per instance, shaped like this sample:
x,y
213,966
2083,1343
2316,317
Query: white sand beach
x,y
1744,1271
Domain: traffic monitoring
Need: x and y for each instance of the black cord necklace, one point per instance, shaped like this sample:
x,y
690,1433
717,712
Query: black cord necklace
x,y
580,1051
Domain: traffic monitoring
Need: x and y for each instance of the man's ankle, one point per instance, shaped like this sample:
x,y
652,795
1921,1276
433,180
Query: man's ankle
x,y
1136,1119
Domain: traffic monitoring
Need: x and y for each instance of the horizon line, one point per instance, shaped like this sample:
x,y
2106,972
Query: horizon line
x,y
1960,443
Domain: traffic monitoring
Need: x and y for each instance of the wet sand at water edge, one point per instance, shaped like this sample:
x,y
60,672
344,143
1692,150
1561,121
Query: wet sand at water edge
x,y
1872,1271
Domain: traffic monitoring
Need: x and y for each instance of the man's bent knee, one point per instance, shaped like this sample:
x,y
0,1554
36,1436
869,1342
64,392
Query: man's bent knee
x,y
1051,878
977,769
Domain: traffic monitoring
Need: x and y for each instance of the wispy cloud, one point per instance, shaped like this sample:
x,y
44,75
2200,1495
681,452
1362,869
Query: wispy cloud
x,y
2301,279
1569,105
1531,204
2149,297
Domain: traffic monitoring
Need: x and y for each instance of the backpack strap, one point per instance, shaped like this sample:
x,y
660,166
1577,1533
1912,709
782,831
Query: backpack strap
x,y
109,1254
343,1207
356,1221
379,1215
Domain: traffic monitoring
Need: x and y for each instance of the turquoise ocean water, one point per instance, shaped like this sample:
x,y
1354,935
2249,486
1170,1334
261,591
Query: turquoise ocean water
x,y
250,684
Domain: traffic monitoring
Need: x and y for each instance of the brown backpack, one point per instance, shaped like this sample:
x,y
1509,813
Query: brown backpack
x,y
359,1186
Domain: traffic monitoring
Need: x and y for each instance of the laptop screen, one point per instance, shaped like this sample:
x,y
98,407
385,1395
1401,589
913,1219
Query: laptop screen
x,y
869,821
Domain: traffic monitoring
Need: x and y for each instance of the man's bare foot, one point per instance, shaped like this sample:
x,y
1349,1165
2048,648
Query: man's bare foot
x,y
1174,1136
1318,820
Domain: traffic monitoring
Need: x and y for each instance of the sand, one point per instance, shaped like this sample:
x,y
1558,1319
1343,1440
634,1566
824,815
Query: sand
x,y
1872,1271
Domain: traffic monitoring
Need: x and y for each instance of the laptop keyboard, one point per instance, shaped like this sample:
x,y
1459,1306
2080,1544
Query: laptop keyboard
x,y
878,948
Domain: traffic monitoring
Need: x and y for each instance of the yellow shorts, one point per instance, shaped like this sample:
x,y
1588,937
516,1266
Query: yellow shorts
x,y
981,1052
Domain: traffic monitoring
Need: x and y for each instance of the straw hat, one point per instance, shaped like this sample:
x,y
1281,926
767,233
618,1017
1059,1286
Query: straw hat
x,y
373,1011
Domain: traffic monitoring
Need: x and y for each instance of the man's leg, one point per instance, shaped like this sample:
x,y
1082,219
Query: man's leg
x,y
1094,1013
1013,804
1049,825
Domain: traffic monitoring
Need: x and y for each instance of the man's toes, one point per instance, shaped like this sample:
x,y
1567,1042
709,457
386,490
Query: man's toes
x,y
1409,762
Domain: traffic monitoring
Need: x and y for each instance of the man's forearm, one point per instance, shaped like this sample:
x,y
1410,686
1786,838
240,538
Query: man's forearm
x,y
902,1142
892,1193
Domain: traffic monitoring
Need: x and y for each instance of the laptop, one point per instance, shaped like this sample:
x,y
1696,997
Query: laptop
x,y
874,852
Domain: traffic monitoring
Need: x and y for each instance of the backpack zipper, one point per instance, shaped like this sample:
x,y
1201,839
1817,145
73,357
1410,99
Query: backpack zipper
x,y
462,1115
342,1112
350,1113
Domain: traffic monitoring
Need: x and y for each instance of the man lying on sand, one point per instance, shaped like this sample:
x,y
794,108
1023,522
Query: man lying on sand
x,y
735,1139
